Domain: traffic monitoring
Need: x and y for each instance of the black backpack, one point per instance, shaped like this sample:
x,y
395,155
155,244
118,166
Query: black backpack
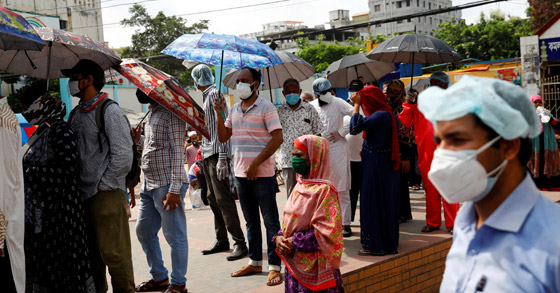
x,y
133,176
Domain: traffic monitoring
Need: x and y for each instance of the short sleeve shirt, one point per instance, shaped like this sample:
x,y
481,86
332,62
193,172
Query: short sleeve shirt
x,y
250,135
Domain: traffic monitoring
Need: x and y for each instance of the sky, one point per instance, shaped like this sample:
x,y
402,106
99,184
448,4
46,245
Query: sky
x,y
225,20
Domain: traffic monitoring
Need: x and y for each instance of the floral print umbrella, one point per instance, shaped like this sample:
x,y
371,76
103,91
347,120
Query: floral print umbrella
x,y
63,50
166,90
225,50
16,33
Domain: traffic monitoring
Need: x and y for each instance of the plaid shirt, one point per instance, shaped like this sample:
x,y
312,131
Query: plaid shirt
x,y
163,156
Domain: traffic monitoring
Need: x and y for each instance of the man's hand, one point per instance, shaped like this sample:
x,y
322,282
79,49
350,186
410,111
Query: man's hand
x,y
252,171
219,104
405,166
171,201
333,136
136,133
222,169
132,197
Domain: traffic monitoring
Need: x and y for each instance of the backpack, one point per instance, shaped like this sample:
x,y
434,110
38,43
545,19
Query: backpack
x,y
133,176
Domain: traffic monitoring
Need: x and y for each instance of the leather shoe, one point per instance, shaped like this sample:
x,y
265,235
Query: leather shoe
x,y
217,247
239,251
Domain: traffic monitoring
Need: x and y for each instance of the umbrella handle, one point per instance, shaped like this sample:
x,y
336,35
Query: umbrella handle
x,y
30,61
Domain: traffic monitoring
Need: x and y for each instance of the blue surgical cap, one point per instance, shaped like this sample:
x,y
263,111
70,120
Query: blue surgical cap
x,y
501,105
202,75
441,76
321,85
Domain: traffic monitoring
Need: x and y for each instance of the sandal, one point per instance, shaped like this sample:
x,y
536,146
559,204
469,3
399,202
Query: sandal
x,y
429,228
272,276
364,252
176,289
152,285
247,270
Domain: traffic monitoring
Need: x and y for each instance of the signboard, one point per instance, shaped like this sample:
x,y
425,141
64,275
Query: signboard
x,y
550,49
508,74
39,20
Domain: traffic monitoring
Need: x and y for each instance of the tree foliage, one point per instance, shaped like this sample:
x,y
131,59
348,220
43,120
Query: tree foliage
x,y
153,34
542,11
492,38
322,54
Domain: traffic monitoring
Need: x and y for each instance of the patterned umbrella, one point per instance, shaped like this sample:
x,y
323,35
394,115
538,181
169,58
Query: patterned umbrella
x,y
166,90
225,50
16,33
63,50
292,67
26,128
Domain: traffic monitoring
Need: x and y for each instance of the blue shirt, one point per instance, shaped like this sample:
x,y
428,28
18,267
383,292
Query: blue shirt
x,y
517,249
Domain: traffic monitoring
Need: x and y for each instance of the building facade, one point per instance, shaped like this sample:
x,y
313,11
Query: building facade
x,y
78,16
383,9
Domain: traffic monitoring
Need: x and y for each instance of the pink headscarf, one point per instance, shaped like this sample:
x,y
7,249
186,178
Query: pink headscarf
x,y
536,98
313,205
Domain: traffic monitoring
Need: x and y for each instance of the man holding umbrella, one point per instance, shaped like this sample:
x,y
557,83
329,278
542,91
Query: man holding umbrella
x,y
216,157
424,133
256,133
104,162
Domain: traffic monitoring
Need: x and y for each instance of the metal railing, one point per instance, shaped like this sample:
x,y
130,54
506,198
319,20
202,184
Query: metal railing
x,y
550,89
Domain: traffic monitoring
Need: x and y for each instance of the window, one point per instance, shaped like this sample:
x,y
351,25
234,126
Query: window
x,y
407,3
429,5
417,3
424,3
399,21
399,4
409,20
377,8
440,7
419,19
63,24
440,21
430,20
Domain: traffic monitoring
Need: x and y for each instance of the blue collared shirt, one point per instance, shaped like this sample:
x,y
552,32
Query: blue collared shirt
x,y
517,249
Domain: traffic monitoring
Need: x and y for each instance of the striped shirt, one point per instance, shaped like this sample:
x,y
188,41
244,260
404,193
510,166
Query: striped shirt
x,y
213,146
250,135
163,157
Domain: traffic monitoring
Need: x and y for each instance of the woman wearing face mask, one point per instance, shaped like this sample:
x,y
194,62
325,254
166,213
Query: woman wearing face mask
x,y
310,242
379,200
55,231
545,160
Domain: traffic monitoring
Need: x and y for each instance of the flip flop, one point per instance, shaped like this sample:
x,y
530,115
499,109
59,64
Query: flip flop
x,y
274,275
152,285
247,270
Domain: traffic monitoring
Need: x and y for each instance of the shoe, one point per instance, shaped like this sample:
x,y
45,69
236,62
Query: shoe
x,y
450,231
346,231
429,228
217,247
152,285
176,289
239,251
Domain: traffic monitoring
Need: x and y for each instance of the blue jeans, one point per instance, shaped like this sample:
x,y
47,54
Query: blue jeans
x,y
260,193
151,218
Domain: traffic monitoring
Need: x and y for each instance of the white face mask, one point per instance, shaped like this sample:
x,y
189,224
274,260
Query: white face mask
x,y
74,87
326,97
244,90
459,177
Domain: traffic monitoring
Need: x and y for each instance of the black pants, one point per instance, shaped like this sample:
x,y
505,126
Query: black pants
x,y
355,185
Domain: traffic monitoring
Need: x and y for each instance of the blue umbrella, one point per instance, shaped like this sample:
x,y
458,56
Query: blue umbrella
x,y
16,33
23,124
223,50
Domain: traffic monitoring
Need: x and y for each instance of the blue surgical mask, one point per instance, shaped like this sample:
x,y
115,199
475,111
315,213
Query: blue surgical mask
x,y
292,99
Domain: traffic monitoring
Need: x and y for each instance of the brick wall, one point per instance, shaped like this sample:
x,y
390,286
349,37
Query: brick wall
x,y
416,271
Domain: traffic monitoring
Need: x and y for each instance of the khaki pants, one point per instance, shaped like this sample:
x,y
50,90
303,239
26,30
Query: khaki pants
x,y
107,210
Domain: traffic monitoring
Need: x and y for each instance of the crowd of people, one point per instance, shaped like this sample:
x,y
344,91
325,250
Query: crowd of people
x,y
63,213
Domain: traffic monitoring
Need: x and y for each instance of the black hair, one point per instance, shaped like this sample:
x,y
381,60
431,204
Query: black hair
x,y
32,92
98,84
290,81
525,149
255,73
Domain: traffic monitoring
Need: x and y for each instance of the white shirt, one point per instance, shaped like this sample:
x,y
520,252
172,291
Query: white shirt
x,y
354,142
331,116
11,190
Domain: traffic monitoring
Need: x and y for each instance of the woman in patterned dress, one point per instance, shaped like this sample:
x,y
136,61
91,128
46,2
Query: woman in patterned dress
x,y
310,241
55,231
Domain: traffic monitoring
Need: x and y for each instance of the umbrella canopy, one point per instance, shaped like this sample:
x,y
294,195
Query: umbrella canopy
x,y
166,90
413,48
341,72
26,128
292,67
63,50
224,50
16,33
420,84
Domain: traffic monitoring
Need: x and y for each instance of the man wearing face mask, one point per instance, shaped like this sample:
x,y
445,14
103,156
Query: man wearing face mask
x,y
216,160
104,161
162,196
505,238
297,119
332,111
424,132
256,133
